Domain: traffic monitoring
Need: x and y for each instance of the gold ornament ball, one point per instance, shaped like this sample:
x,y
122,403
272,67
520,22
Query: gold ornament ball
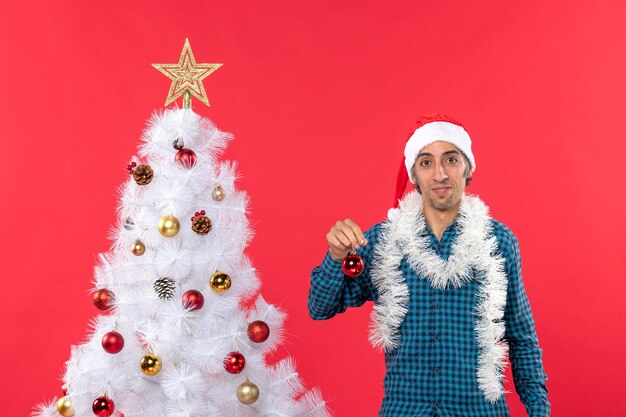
x,y
219,193
138,248
247,392
64,407
220,282
150,364
169,226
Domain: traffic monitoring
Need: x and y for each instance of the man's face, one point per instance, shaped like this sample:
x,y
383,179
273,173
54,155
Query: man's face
x,y
440,171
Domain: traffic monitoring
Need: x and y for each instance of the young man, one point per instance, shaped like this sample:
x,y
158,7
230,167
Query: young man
x,y
447,286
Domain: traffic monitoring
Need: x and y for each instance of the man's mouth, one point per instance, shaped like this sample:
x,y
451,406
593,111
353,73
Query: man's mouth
x,y
441,190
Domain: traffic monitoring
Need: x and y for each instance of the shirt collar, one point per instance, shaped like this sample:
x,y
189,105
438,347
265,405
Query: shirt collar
x,y
450,232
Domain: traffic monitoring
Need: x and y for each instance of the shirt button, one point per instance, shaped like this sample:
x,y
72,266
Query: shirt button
x,y
436,403
436,337
436,370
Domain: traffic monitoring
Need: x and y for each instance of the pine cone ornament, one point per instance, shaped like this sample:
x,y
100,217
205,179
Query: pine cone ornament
x,y
143,174
165,287
200,223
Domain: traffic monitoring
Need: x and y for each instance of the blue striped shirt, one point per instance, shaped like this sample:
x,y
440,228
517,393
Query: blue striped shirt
x,y
433,371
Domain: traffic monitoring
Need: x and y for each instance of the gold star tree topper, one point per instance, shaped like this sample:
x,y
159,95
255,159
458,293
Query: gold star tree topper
x,y
187,77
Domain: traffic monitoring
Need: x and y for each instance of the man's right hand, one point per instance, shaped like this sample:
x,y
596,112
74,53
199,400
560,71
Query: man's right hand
x,y
344,236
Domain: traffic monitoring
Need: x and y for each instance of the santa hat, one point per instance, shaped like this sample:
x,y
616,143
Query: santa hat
x,y
428,129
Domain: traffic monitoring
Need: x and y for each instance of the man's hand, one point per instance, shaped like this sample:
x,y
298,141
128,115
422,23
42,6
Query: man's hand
x,y
344,236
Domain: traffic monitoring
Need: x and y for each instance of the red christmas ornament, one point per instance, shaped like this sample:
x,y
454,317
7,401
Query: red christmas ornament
x,y
352,265
258,331
193,300
103,299
187,157
113,342
234,362
103,406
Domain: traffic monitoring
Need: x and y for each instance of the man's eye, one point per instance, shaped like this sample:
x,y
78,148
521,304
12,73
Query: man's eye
x,y
452,160
425,163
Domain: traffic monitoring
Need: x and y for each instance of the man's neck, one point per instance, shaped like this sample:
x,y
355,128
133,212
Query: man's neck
x,y
439,220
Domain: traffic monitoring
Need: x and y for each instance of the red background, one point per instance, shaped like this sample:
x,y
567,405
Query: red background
x,y
320,96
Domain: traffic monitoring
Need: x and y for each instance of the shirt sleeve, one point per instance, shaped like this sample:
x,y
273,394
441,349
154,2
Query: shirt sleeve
x,y
332,291
524,351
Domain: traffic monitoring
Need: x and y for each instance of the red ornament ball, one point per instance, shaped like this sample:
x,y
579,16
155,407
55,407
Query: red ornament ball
x,y
258,331
352,265
103,406
113,342
186,157
234,362
193,300
103,299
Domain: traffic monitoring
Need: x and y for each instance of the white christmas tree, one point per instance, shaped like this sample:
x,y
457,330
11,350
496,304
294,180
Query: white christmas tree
x,y
176,339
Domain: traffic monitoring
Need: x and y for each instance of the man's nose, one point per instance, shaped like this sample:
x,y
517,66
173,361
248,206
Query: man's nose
x,y
440,172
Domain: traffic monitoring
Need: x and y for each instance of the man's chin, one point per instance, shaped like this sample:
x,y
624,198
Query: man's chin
x,y
445,204
443,207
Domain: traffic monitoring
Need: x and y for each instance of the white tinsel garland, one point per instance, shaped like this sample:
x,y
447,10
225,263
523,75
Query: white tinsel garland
x,y
474,249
